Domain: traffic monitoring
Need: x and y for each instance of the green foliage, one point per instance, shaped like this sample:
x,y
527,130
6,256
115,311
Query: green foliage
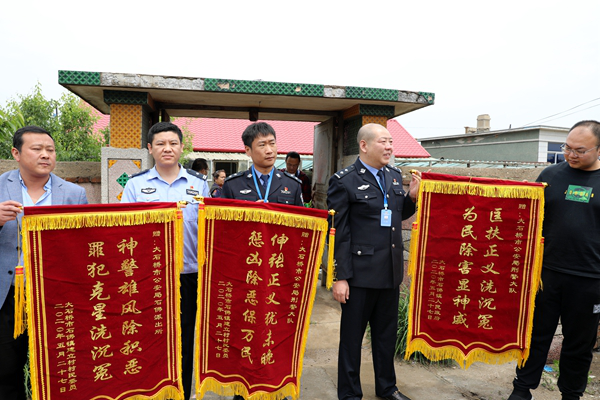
x,y
188,136
402,336
69,121
9,123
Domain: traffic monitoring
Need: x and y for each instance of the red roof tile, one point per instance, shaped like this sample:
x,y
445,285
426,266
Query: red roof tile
x,y
225,135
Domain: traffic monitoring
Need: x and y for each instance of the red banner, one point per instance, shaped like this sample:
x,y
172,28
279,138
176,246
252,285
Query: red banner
x,y
256,293
103,300
475,262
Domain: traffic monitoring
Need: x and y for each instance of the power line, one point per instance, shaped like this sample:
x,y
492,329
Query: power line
x,y
575,112
562,112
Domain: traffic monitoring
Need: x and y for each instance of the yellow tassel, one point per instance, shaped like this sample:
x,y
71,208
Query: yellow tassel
x,y
20,304
229,389
330,259
201,234
265,217
464,360
92,220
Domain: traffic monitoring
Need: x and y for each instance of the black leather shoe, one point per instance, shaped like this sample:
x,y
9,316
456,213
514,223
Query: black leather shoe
x,y
396,396
520,396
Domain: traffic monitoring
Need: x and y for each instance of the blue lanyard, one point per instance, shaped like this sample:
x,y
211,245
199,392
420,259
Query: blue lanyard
x,y
385,202
266,199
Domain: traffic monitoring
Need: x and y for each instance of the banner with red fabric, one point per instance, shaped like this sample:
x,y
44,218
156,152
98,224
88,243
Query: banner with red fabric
x,y
102,292
255,296
475,263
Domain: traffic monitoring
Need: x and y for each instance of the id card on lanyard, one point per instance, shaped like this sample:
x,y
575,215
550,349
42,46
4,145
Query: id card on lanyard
x,y
386,214
266,199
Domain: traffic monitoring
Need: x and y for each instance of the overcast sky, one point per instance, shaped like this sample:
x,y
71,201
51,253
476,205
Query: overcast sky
x,y
518,61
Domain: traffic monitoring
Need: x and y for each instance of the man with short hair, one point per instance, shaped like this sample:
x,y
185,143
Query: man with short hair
x,y
169,181
200,165
33,184
571,267
262,182
370,205
292,165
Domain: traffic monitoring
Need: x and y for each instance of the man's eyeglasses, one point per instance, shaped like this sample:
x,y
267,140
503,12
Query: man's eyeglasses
x,y
566,149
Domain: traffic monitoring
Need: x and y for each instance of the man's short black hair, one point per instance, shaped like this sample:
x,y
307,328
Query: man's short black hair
x,y
592,125
255,130
18,136
292,154
164,127
199,164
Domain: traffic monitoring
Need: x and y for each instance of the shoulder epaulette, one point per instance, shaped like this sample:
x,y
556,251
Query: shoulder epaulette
x,y
393,167
343,172
197,174
235,175
292,176
138,174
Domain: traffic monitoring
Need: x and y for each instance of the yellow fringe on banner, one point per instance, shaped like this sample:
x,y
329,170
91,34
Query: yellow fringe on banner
x,y
484,190
20,304
266,217
93,220
461,188
465,361
201,233
212,385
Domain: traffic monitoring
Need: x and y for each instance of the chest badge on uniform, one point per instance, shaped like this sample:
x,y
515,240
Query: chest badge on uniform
x,y
148,190
192,192
395,182
285,191
245,191
363,187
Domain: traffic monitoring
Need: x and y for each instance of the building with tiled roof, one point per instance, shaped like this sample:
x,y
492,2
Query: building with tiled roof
x,y
220,141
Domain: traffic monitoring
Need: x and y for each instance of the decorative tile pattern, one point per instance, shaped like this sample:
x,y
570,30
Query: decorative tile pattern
x,y
125,126
111,163
355,92
122,97
118,176
430,97
369,119
371,109
79,78
122,180
263,87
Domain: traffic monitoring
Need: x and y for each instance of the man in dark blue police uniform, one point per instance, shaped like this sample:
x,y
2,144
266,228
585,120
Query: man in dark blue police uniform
x,y
262,182
370,204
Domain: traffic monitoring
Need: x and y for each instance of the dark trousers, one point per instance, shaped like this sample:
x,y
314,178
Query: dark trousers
x,y
189,295
576,300
379,308
13,353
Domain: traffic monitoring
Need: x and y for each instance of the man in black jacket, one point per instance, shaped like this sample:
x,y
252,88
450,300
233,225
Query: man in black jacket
x,y
262,182
370,204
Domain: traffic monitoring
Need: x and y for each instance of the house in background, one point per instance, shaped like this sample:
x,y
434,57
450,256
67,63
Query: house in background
x,y
528,144
220,141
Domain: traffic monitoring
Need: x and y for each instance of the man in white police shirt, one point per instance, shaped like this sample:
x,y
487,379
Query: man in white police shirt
x,y
169,181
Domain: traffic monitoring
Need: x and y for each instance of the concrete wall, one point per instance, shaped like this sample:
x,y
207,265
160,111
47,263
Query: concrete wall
x,y
83,173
